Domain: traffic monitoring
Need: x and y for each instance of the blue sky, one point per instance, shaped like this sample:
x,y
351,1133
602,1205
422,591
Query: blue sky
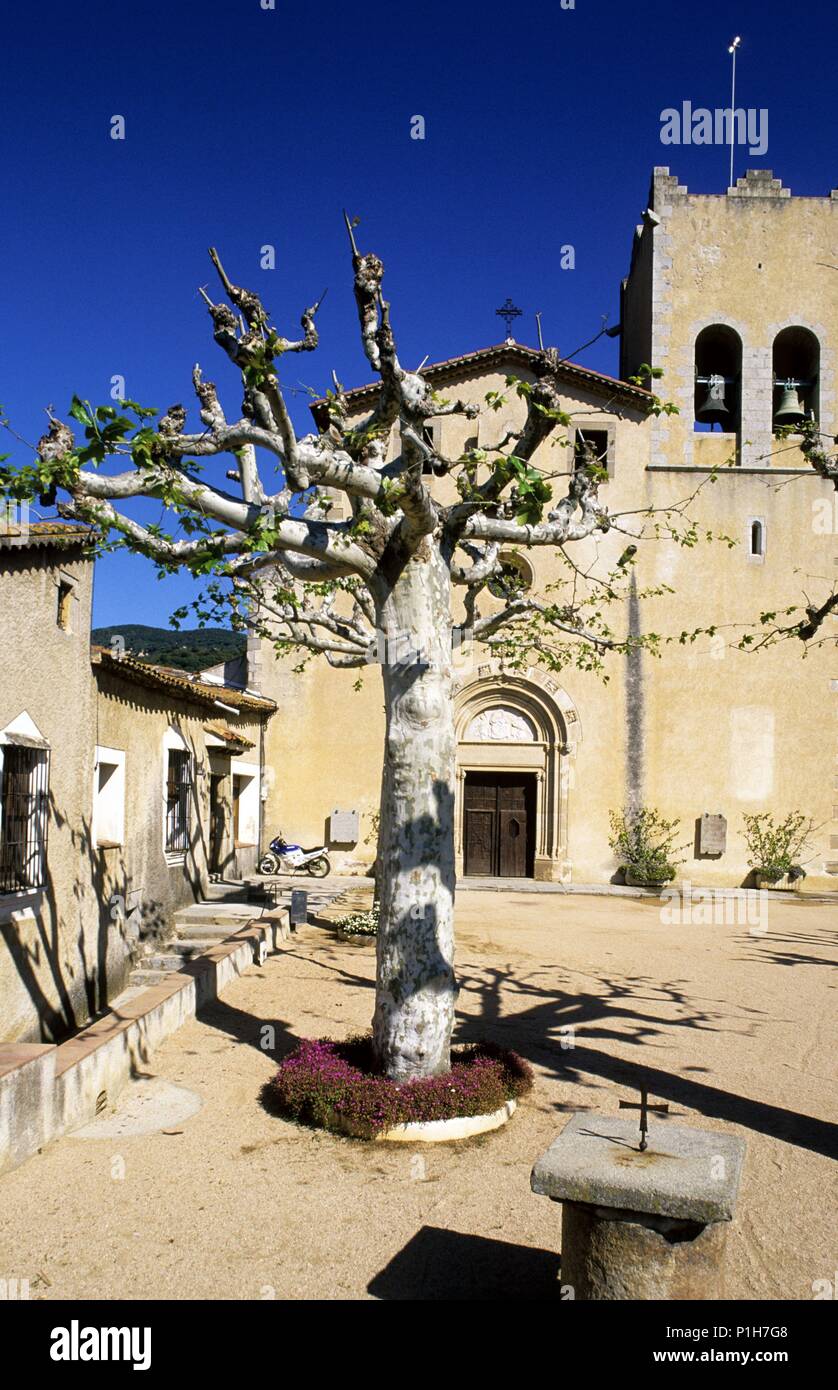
x,y
247,127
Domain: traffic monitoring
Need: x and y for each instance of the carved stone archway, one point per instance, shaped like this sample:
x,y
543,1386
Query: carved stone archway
x,y
520,721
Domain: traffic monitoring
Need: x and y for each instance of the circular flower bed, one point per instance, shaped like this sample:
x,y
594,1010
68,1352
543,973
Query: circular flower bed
x,y
334,1085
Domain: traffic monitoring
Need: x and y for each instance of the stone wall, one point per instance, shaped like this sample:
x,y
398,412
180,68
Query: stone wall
x,y
66,947
140,722
60,957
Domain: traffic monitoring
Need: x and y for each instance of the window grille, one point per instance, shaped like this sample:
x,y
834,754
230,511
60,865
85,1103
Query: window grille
x,y
178,787
24,798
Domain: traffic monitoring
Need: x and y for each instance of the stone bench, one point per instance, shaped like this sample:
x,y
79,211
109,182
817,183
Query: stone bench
x,y
641,1225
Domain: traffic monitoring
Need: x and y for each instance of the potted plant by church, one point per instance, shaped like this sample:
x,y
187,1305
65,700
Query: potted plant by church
x,y
644,842
775,847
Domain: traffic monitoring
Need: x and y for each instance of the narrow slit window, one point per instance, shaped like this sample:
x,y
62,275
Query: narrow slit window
x,y
757,538
64,611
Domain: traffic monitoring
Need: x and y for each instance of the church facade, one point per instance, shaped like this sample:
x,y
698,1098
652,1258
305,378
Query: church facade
x,y
706,729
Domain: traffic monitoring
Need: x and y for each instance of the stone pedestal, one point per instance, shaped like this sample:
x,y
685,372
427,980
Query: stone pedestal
x,y
641,1225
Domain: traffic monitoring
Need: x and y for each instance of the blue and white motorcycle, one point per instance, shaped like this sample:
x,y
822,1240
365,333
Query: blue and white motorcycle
x,y
283,858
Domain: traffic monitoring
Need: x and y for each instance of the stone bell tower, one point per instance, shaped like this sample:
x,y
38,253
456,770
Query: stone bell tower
x,y
734,296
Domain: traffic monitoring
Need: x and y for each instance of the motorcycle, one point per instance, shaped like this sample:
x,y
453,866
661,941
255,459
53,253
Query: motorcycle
x,y
283,858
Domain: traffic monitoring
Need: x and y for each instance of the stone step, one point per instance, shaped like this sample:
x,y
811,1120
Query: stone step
x,y
240,908
203,931
211,917
195,939
165,961
144,978
191,947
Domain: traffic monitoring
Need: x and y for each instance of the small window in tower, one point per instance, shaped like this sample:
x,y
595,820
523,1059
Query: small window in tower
x,y
756,538
431,435
593,448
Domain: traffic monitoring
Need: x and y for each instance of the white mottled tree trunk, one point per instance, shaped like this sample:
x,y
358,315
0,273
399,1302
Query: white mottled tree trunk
x,y
415,990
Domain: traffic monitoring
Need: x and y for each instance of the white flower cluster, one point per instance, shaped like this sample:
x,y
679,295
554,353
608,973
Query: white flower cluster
x,y
359,923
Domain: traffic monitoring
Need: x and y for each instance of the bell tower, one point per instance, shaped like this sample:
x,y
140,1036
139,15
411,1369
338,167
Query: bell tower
x,y
734,296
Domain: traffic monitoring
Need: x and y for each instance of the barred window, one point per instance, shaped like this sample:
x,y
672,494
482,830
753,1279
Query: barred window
x,y
178,787
24,809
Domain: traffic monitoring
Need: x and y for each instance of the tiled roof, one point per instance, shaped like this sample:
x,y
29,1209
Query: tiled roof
x,y
179,684
16,535
511,354
229,735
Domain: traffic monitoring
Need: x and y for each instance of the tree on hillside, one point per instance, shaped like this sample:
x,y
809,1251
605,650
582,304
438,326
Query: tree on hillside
x,y
374,588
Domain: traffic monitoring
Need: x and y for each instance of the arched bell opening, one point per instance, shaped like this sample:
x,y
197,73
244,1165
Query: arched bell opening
x,y
796,364
718,380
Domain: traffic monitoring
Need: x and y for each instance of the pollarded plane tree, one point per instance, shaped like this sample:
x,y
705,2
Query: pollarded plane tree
x,y
352,589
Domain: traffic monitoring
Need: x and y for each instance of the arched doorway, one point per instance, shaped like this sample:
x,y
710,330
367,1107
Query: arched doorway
x,y
517,735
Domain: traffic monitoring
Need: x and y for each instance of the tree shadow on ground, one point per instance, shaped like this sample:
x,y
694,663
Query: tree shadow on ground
x,y
439,1264
270,1036
769,949
246,1027
546,1033
612,1000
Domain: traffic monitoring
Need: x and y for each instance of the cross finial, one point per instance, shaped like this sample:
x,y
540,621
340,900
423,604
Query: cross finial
x,y
508,312
644,1107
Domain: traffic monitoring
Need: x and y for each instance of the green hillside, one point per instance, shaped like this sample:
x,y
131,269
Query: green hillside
x,y
187,650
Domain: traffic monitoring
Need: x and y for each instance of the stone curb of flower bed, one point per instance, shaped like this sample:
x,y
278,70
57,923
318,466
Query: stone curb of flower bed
x,y
444,1131
431,1131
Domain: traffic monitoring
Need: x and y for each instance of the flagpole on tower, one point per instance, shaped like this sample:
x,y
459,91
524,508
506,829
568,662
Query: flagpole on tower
x,y
732,51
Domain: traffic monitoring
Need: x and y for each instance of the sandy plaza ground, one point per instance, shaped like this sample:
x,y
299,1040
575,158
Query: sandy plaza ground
x,y
192,1189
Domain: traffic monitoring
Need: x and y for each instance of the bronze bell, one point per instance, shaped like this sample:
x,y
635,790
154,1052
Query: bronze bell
x,y
714,410
789,411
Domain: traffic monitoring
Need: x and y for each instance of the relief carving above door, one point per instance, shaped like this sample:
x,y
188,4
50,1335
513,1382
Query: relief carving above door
x,y
500,725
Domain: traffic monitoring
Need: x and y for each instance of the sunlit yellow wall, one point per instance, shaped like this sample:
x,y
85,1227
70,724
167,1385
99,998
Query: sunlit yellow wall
x,y
717,729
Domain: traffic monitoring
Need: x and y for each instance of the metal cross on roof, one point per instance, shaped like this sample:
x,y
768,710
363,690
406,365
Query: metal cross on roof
x,y
644,1107
508,312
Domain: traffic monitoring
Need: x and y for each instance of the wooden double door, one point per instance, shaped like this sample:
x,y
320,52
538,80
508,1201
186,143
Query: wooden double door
x,y
499,824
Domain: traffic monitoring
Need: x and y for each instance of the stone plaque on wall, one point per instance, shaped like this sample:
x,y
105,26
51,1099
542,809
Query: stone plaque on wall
x,y
343,827
712,837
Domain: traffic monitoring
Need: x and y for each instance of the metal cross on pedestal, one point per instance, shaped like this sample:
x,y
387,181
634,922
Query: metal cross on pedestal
x,y
644,1107
508,312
